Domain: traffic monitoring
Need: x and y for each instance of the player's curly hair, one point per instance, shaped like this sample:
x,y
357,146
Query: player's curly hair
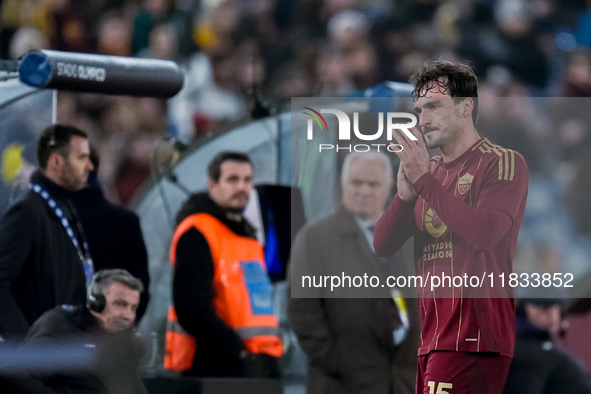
x,y
456,78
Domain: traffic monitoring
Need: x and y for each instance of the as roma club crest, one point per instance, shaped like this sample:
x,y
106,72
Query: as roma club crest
x,y
464,183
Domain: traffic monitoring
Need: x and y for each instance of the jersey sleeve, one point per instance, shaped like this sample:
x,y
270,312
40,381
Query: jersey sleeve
x,y
505,185
502,194
394,227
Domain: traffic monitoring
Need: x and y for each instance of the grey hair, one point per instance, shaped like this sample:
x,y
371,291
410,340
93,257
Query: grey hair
x,y
104,278
377,156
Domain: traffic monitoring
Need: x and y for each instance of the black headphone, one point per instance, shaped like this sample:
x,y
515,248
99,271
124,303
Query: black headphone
x,y
95,301
52,137
51,143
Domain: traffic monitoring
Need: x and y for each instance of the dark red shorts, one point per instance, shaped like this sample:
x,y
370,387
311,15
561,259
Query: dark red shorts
x,y
462,373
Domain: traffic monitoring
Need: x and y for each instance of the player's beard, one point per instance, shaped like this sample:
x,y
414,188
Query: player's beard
x,y
447,134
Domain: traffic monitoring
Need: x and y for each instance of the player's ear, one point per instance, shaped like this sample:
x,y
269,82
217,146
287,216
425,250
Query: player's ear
x,y
468,106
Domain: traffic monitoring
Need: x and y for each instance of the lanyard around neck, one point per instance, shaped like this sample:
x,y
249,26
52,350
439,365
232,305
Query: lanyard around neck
x,y
84,256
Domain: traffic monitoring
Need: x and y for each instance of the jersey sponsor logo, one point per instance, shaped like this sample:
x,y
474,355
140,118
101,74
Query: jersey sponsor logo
x,y
433,224
464,183
437,250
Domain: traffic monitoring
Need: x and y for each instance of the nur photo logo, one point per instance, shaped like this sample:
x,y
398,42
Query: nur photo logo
x,y
392,120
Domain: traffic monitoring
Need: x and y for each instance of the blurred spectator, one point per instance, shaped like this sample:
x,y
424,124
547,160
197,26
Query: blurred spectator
x,y
393,41
293,80
333,78
521,52
248,70
221,290
113,233
575,138
43,257
362,65
27,39
207,98
351,63
540,365
119,117
348,27
103,324
264,13
157,12
135,162
577,79
115,36
119,122
163,44
503,122
68,109
330,8
23,13
213,29
409,62
71,26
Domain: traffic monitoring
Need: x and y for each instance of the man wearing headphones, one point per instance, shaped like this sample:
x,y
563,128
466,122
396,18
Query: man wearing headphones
x,y
104,326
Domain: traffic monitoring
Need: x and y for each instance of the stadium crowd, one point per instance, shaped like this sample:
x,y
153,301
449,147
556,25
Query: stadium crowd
x,y
532,57
236,53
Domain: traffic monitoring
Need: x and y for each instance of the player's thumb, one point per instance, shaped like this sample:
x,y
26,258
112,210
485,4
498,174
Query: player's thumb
x,y
401,173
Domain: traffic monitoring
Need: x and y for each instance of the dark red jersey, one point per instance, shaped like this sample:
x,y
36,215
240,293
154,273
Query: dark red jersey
x,y
465,223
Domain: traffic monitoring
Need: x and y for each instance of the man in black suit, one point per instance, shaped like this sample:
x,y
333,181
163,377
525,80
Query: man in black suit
x,y
114,234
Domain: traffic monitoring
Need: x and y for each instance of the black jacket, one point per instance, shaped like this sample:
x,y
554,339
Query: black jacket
x,y
114,238
218,345
39,265
540,366
101,362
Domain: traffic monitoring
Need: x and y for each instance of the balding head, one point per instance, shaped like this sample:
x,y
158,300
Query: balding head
x,y
366,180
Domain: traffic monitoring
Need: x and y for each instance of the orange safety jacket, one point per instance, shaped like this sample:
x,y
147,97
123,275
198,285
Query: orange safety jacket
x,y
242,296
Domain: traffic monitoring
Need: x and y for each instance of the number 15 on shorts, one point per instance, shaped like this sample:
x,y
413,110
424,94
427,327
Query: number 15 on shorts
x,y
441,387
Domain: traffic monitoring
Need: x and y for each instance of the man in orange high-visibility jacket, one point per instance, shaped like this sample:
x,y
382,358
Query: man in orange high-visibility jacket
x,y
222,322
